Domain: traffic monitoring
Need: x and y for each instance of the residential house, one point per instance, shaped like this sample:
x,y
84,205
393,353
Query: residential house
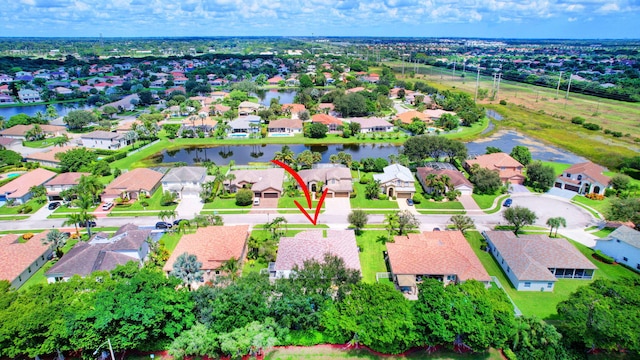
x,y
219,109
60,90
248,108
335,177
294,110
274,81
459,182
185,180
265,183
584,178
314,245
178,89
212,246
19,189
131,184
244,126
107,140
29,96
127,103
102,253
436,114
48,157
396,181
62,182
292,82
219,95
535,262
623,245
510,169
442,255
20,131
6,99
327,108
332,122
284,127
355,90
6,143
408,116
19,259
373,124
195,123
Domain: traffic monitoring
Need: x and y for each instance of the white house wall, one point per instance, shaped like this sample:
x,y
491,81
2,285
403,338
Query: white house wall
x,y
619,251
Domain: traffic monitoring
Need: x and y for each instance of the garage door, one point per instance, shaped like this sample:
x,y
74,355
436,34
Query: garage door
x,y
270,195
341,195
403,195
558,185
571,187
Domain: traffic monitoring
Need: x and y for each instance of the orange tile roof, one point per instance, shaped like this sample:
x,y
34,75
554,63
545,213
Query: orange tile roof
x,y
21,130
312,244
589,169
15,256
20,186
325,119
134,180
212,245
294,108
50,154
407,117
435,253
508,167
70,178
285,123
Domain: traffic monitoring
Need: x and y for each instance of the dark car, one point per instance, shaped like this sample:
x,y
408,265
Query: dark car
x,y
89,223
177,222
163,225
507,203
410,202
53,205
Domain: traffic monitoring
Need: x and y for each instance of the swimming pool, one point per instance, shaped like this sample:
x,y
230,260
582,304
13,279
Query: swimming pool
x,y
279,135
12,175
238,135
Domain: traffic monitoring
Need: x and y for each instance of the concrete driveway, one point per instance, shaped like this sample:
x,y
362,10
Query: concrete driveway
x,y
189,206
337,206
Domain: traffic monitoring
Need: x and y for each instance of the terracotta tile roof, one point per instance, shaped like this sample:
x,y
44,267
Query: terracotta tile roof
x,y
134,180
371,122
325,119
15,256
21,130
589,169
285,123
495,161
457,178
329,106
49,155
335,178
208,121
70,178
294,108
20,186
531,256
221,108
260,179
355,90
311,244
407,117
435,253
437,113
212,246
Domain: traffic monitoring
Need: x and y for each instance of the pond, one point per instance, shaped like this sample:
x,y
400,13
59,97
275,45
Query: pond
x,y
62,109
244,154
265,96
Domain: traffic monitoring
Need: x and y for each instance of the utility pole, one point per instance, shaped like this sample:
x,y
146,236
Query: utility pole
x,y
499,78
475,98
453,73
566,98
558,88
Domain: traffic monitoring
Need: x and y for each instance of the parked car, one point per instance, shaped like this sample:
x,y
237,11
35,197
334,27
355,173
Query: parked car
x,y
256,201
177,221
507,203
410,202
53,205
436,229
107,206
163,225
89,223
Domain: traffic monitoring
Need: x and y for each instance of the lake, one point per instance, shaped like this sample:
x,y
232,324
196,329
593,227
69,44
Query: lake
x,y
62,109
265,96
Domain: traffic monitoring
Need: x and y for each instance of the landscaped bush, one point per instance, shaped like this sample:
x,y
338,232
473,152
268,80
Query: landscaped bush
x,y
383,197
27,236
367,178
25,209
244,197
591,126
503,102
144,203
593,196
602,257
610,192
577,120
418,198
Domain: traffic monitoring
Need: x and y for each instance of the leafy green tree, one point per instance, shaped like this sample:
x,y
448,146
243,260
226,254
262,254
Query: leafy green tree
x,y
90,186
620,182
10,157
197,341
61,140
535,339
188,269
244,197
539,176
407,222
521,154
39,193
519,216
355,127
316,130
358,219
462,222
101,168
109,111
168,198
350,105
252,339
35,133
351,319
77,119
372,189
493,150
77,159
307,158
286,155
624,210
305,81
485,181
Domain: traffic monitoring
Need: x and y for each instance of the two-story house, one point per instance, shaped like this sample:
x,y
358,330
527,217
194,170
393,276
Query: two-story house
x,y
396,180
584,178
510,169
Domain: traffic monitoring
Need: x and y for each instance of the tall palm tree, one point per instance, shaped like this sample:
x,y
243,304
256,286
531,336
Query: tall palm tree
x,y
165,215
561,222
85,218
286,155
90,185
73,219
232,268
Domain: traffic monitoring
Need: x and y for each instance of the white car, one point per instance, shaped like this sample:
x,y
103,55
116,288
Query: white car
x,y
256,201
107,206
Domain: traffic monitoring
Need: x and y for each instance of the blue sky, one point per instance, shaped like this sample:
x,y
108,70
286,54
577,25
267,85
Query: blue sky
x,y
420,18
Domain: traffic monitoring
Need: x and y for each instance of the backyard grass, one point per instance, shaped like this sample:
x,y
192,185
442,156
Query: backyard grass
x,y
558,168
40,143
361,202
171,240
543,304
13,210
153,201
39,276
603,233
371,254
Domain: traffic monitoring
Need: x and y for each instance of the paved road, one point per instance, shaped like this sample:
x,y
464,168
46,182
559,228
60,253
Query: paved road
x,y
544,206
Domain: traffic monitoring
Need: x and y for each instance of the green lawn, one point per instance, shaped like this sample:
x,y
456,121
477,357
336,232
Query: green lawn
x,y
171,240
219,203
601,205
439,205
485,202
361,202
557,167
39,276
543,304
13,210
154,204
371,257
62,211
603,233
39,143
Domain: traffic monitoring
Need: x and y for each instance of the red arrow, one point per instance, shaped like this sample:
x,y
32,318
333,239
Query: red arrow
x,y
307,194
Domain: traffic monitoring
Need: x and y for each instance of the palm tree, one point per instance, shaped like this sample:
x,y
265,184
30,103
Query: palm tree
x,y
232,268
90,185
61,140
83,202
85,218
561,221
183,225
56,239
73,219
188,269
229,177
552,223
286,155
202,117
165,215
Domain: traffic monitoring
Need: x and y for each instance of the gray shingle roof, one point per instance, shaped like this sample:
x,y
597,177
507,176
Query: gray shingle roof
x,y
626,235
186,174
394,171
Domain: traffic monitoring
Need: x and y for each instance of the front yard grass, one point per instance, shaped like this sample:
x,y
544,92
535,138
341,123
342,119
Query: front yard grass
x,y
153,201
361,202
600,205
439,205
13,210
371,254
40,143
219,203
286,202
485,202
543,304
603,233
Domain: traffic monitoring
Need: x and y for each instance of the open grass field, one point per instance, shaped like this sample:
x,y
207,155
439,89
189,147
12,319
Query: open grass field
x,y
543,304
537,112
371,257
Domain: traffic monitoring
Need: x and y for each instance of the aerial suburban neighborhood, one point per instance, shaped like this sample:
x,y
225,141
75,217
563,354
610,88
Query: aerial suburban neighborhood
x,y
189,198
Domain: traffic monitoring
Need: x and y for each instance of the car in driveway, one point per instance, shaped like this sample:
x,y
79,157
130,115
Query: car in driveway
x,y
53,205
508,202
410,202
89,223
163,225
177,221
107,206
